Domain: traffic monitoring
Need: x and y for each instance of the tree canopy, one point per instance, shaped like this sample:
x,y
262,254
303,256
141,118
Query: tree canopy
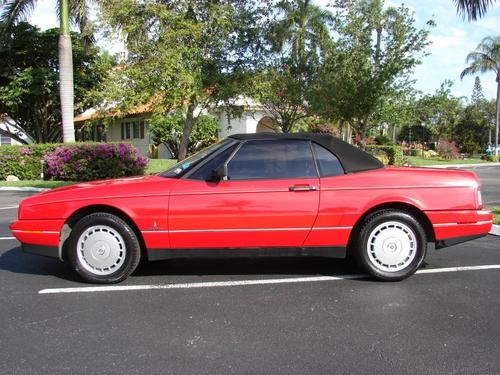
x,y
29,81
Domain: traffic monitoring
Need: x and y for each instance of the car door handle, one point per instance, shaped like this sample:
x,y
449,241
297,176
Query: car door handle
x,y
301,188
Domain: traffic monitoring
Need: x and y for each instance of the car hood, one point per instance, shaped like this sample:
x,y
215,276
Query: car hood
x,y
120,187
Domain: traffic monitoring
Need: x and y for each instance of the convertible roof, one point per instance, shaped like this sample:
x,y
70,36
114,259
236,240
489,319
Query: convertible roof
x,y
353,159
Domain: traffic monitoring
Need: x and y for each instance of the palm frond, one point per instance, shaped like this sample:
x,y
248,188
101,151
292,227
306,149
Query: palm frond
x,y
15,10
485,58
472,9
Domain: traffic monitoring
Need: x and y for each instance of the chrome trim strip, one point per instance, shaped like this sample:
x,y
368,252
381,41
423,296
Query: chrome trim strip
x,y
33,231
242,230
453,224
392,187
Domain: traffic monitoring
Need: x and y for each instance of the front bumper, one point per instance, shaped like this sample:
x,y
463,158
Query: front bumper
x,y
39,237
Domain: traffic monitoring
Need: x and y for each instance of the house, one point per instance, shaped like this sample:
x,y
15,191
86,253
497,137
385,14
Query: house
x,y
133,127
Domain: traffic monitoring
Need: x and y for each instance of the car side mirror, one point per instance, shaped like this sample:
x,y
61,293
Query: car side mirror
x,y
219,174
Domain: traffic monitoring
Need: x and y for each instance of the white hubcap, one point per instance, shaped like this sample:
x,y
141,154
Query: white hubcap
x,y
392,246
101,250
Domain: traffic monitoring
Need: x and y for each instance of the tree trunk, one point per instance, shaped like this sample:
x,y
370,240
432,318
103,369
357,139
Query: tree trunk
x,y
186,131
498,113
66,75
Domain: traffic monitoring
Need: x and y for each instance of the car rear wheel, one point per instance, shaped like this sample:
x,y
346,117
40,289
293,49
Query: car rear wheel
x,y
103,248
391,245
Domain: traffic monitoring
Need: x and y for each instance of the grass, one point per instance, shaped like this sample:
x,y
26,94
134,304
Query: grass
x,y
159,165
36,183
154,166
417,162
496,214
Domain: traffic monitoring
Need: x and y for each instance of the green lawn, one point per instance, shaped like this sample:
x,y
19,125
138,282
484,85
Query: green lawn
x,y
417,162
159,165
154,166
36,183
496,214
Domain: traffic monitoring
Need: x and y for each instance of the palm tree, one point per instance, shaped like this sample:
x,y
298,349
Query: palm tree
x,y
17,10
303,29
484,59
473,9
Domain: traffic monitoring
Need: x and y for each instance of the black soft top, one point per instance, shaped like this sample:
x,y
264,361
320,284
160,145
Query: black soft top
x,y
352,158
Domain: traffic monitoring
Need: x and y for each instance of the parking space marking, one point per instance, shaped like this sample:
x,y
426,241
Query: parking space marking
x,y
8,207
216,284
7,238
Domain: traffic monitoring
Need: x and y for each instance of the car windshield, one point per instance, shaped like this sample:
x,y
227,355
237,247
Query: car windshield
x,y
185,165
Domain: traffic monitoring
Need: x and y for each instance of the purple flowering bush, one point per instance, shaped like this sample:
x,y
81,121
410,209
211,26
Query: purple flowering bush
x,y
71,162
94,161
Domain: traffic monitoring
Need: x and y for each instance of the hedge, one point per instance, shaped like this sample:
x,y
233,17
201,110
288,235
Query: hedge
x,y
24,162
392,153
71,162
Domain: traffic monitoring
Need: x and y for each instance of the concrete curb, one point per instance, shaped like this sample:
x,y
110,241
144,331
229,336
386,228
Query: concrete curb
x,y
27,188
477,165
495,230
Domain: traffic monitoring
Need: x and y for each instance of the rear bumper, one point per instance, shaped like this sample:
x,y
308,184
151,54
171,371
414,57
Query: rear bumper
x,y
452,227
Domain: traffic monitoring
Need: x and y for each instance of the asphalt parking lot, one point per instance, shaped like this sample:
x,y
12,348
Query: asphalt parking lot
x,y
260,316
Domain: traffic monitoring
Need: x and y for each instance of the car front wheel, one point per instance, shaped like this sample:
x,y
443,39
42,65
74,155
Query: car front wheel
x,y
103,248
391,245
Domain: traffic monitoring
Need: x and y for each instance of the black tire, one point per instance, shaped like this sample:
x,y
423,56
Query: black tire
x,y
103,249
391,245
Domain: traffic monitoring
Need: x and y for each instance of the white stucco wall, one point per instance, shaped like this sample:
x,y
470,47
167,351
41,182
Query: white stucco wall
x,y
246,123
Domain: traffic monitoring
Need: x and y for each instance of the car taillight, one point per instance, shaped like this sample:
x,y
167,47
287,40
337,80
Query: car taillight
x,y
479,199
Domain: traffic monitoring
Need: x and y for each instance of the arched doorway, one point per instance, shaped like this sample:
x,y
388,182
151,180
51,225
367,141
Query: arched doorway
x,y
265,125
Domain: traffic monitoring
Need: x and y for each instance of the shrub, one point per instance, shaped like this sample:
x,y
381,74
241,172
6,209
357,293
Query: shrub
x,y
448,150
383,140
393,153
322,128
430,154
471,147
23,161
490,157
94,161
383,158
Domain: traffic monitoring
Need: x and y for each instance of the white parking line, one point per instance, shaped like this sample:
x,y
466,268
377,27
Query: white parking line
x,y
8,207
7,238
216,284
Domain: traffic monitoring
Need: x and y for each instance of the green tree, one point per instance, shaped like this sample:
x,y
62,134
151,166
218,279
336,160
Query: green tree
x,y
76,11
398,112
298,39
375,51
473,9
29,80
184,55
301,32
477,93
439,112
166,129
471,131
486,58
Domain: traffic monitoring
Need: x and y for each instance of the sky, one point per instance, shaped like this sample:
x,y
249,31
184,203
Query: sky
x,y
452,39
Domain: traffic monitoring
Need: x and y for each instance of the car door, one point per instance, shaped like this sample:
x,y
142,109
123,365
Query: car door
x,y
270,198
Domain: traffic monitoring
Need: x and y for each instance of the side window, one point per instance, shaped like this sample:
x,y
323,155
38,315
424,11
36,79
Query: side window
x,y
205,171
273,159
329,165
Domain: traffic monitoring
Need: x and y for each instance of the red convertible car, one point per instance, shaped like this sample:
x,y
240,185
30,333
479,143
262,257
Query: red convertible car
x,y
258,194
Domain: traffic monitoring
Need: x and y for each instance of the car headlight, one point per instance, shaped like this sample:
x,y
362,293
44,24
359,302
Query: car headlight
x,y
479,199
